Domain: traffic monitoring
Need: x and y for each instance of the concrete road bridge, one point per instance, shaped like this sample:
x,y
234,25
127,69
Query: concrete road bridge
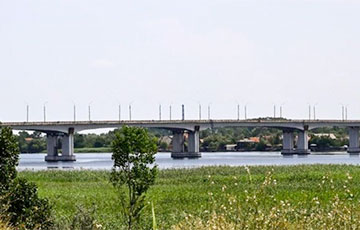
x,y
65,130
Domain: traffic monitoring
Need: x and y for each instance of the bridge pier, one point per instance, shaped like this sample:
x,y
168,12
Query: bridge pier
x,y
178,143
302,145
354,146
288,142
67,146
51,146
194,144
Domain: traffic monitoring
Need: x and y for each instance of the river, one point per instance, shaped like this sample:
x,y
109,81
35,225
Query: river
x,y
102,161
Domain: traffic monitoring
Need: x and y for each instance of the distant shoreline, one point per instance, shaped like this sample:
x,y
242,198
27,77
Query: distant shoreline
x,y
108,150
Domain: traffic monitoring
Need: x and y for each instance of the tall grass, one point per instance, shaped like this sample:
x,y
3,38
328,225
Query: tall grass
x,y
262,210
305,196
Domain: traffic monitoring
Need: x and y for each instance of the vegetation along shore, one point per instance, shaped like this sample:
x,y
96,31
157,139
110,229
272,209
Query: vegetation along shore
x,y
287,197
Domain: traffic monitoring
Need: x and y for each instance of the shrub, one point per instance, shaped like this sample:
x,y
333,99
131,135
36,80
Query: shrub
x,y
25,208
133,154
84,219
9,157
19,200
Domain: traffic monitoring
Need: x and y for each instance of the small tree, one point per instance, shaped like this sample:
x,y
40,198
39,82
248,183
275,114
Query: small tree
x,y
133,172
9,157
19,199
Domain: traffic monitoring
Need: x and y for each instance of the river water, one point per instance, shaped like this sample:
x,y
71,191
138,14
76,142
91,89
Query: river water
x,y
102,161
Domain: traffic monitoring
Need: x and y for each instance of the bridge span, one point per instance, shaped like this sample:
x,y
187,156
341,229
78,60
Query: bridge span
x,y
65,131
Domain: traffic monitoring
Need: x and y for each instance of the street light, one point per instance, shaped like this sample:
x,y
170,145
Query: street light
x,y
238,111
27,112
44,110
314,111
74,112
170,111
159,112
130,112
183,111
274,111
314,108
209,111
199,111
89,110
245,111
281,110
130,109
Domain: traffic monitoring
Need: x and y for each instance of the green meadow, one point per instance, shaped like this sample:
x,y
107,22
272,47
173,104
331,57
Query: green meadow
x,y
190,198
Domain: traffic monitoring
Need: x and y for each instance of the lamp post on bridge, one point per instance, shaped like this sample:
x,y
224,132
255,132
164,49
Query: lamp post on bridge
x,y
314,111
238,111
274,111
245,112
130,112
159,112
170,111
344,112
281,109
74,112
199,111
209,111
44,110
314,107
183,111
89,111
27,112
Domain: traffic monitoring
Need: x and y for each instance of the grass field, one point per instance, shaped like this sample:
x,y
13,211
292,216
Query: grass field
x,y
92,150
257,191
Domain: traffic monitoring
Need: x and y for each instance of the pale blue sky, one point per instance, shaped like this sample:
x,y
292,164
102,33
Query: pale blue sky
x,y
204,51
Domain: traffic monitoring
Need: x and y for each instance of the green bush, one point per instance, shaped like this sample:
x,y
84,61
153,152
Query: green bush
x,y
133,174
19,200
25,208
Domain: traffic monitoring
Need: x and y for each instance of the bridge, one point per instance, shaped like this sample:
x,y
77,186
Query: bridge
x,y
64,130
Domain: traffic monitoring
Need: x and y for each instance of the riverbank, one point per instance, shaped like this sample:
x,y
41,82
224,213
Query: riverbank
x,y
196,191
93,150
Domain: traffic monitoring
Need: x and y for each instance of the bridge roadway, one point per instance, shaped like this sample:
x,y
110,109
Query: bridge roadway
x,y
65,131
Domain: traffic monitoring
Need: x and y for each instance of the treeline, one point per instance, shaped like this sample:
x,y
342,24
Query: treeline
x,y
211,140
35,142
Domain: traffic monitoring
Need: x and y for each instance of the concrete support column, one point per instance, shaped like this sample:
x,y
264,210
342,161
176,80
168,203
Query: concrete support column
x,y
178,142
67,147
51,142
288,142
194,144
302,143
67,142
354,140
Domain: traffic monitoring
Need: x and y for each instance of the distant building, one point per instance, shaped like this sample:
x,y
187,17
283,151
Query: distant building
x,y
330,135
230,147
166,139
247,143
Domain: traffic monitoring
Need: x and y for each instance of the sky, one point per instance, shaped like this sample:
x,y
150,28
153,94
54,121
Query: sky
x,y
221,53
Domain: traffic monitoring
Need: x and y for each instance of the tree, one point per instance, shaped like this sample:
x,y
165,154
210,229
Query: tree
x,y
18,198
134,170
9,158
